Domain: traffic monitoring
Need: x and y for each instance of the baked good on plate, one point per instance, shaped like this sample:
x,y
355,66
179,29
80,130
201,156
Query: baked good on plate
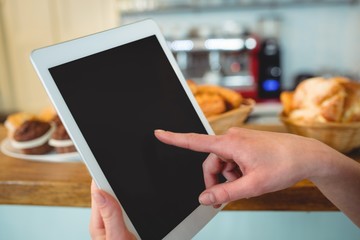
x,y
32,137
15,120
47,114
60,138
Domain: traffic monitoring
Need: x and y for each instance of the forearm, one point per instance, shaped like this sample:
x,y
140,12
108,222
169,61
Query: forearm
x,y
339,181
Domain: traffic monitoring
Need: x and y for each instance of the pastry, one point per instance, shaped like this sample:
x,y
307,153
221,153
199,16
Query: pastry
x,y
14,121
60,139
286,99
32,137
47,114
211,104
214,100
323,100
231,97
322,95
192,86
351,111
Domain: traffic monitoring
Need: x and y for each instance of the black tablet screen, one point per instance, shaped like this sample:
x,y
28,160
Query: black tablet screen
x,y
118,97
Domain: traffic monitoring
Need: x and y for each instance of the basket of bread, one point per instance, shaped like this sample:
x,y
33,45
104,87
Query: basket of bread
x,y
327,109
223,107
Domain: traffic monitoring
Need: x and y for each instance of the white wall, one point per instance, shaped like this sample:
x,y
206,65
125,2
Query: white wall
x,y
313,37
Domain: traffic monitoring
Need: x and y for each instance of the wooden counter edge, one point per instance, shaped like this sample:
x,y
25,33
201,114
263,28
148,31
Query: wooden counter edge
x,y
45,193
304,198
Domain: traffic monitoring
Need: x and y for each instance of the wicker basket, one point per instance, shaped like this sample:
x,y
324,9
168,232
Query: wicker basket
x,y
343,137
236,117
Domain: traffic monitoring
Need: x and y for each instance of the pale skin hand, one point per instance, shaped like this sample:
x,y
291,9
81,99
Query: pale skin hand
x,y
106,220
256,162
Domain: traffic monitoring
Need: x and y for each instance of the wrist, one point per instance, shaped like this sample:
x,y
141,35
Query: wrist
x,y
327,162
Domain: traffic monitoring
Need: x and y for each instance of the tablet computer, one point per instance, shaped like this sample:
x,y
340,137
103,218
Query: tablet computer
x,y
112,90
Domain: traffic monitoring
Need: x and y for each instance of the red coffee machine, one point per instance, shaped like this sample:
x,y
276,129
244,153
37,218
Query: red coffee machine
x,y
229,60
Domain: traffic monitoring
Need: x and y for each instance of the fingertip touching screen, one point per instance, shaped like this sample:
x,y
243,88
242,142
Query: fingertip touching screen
x,y
118,97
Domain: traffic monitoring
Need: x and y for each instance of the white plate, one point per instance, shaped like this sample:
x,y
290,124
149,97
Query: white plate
x,y
7,149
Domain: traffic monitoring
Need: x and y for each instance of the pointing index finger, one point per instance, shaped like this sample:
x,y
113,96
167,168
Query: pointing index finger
x,y
191,141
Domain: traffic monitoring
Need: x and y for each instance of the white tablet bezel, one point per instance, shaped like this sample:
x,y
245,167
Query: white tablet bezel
x,y
45,58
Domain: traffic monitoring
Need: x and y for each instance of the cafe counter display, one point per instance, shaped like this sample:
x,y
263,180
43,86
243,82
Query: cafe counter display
x,y
67,183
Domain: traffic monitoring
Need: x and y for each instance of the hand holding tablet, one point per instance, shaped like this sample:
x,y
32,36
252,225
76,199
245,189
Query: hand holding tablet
x,y
107,221
112,90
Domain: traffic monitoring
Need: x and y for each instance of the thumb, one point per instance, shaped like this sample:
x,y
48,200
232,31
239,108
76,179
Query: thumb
x,y
111,213
227,192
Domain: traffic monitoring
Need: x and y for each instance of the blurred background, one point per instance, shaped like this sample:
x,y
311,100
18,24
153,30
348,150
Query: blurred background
x,y
257,47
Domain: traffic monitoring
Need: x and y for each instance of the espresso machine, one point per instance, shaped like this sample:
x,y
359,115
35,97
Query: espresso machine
x,y
228,60
246,62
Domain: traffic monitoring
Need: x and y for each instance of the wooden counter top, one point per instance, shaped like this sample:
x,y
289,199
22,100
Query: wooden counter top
x,y
43,183
68,184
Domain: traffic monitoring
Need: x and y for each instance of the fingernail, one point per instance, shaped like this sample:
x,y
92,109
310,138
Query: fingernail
x,y
159,131
99,199
207,198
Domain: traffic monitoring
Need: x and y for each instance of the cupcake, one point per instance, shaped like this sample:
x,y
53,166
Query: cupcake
x,y
60,139
32,137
